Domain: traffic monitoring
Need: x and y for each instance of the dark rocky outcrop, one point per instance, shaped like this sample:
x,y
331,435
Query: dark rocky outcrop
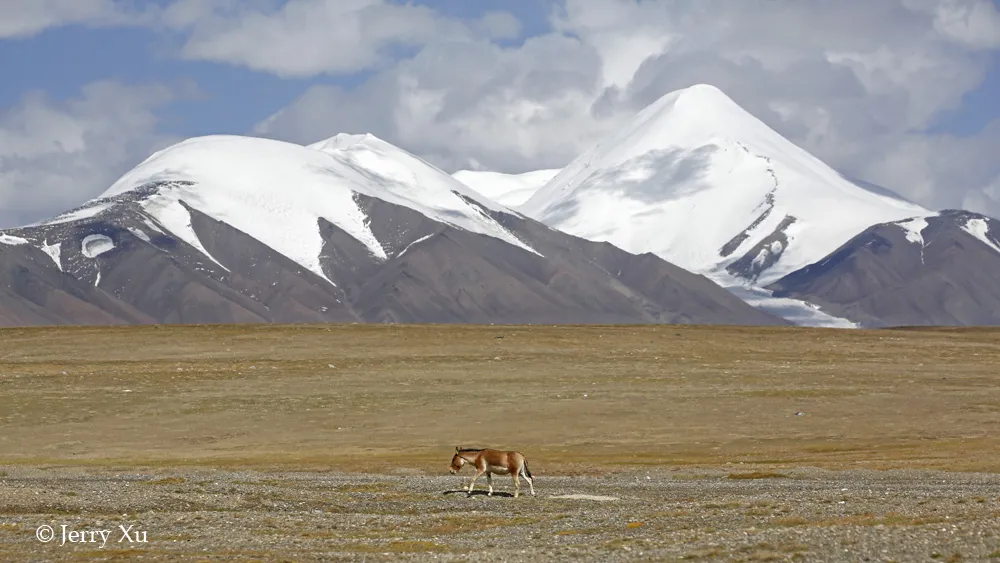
x,y
891,275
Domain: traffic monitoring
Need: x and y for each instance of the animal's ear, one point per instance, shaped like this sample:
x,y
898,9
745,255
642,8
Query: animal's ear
x,y
456,448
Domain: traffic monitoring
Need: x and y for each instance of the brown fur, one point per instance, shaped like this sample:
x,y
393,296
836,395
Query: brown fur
x,y
492,462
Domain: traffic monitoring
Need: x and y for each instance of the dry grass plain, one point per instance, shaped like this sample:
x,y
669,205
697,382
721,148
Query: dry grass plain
x,y
384,406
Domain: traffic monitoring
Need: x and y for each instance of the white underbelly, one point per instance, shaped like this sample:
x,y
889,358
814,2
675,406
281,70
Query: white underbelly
x,y
497,470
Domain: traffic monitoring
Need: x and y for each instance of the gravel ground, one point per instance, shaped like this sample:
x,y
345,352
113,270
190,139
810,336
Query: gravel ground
x,y
736,513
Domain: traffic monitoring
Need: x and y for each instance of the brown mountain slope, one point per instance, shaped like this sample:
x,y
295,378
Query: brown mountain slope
x,y
906,273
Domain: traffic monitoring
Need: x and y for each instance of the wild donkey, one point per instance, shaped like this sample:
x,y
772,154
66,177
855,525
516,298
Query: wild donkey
x,y
493,461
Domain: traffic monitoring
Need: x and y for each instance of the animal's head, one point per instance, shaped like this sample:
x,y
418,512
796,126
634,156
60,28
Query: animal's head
x,y
457,462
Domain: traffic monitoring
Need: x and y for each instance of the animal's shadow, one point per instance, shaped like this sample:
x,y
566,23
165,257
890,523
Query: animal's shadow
x,y
479,493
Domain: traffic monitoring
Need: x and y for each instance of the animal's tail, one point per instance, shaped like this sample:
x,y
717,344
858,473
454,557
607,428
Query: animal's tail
x,y
527,471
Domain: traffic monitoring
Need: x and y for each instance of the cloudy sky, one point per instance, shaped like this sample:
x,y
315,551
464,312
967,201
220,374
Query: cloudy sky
x,y
902,93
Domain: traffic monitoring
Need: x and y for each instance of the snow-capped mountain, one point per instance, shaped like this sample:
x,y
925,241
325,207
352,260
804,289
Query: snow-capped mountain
x,y
699,181
227,229
506,189
939,269
276,192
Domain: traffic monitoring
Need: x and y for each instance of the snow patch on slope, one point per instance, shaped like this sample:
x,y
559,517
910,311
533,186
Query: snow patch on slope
x,y
55,252
914,229
152,227
11,240
980,229
511,190
176,218
52,250
93,246
694,174
88,210
797,311
369,238
139,234
409,246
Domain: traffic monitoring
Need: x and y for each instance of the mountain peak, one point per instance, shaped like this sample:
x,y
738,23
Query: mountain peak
x,y
703,114
701,182
704,95
396,166
347,140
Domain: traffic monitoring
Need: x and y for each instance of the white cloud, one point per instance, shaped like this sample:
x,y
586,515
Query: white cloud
x,y
857,82
500,25
945,171
289,38
24,18
311,37
55,155
504,107
974,23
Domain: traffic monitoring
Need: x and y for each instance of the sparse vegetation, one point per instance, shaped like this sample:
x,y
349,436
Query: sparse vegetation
x,y
265,395
165,481
467,523
364,488
756,475
789,522
248,428
395,547
726,506
287,410
581,532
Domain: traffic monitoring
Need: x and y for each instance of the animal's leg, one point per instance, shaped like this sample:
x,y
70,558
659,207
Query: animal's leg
x,y
517,484
489,481
529,480
474,477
